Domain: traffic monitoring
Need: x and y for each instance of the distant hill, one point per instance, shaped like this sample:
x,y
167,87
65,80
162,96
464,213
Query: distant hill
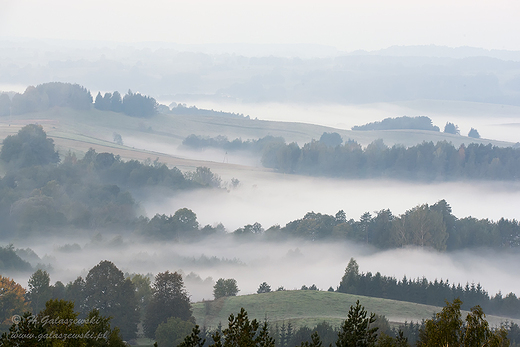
x,y
443,52
79,130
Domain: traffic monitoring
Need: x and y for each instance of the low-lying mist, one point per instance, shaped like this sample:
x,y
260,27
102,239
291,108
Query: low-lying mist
x,y
270,198
207,154
493,121
289,264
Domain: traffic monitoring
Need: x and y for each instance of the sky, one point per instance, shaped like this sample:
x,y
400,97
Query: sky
x,y
346,25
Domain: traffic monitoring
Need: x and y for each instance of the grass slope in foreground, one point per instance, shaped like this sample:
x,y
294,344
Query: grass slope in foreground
x,y
309,307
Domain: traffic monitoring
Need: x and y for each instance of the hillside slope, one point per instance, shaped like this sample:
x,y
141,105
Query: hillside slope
x,y
309,307
162,134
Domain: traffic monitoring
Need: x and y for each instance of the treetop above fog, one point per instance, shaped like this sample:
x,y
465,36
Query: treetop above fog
x,y
404,122
59,94
29,147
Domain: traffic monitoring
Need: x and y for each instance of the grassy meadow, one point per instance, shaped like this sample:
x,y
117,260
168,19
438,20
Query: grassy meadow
x,y
310,307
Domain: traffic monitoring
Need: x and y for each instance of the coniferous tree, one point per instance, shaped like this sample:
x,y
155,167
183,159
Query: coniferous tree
x,y
350,279
243,332
356,330
39,290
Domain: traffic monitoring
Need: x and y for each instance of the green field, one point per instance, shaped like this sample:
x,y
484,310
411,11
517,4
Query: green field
x,y
309,307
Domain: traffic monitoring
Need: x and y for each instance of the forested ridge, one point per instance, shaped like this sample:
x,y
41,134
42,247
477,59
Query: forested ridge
x,y
426,161
58,94
40,195
330,157
419,123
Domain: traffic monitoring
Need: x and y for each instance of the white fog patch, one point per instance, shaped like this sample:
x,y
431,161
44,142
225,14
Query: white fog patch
x,y
486,267
269,199
175,149
288,264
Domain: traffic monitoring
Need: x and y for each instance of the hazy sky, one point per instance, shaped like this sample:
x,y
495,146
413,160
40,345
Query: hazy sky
x,y
347,25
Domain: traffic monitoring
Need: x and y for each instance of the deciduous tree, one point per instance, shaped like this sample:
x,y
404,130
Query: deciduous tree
x,y
448,329
169,299
225,287
107,290
29,147
12,300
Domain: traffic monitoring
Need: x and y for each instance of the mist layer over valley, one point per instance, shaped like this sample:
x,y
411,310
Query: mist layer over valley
x,y
260,195
126,187
290,264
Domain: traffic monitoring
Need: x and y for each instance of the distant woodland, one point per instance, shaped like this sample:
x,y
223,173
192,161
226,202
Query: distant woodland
x,y
58,94
418,123
330,157
39,194
426,161
422,291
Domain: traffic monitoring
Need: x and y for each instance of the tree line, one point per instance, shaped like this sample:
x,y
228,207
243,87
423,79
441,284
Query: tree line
x,y
132,104
58,94
426,161
415,123
446,328
426,292
433,226
330,157
181,109
405,122
257,146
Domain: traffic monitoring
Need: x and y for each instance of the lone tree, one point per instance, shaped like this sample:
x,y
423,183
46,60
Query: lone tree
x,y
474,134
169,299
225,287
451,128
264,288
355,330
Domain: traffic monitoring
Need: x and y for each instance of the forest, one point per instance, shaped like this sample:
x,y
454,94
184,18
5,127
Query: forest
x,y
330,157
41,194
109,305
57,94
